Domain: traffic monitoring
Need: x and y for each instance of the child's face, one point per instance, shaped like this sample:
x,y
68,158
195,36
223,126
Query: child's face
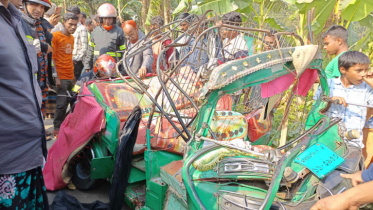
x,y
331,45
355,73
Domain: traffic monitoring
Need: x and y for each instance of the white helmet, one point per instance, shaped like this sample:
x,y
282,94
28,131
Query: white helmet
x,y
106,10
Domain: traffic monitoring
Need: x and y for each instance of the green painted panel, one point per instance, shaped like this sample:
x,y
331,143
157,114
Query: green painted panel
x,y
138,162
154,160
264,140
102,168
93,88
136,175
155,194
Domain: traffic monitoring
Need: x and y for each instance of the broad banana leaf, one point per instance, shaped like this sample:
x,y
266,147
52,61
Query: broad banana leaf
x,y
353,36
357,10
342,4
219,6
129,11
367,22
322,13
291,1
272,22
359,45
183,5
153,10
133,4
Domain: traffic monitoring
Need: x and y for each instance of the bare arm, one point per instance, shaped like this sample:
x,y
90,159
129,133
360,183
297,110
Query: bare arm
x,y
351,199
358,195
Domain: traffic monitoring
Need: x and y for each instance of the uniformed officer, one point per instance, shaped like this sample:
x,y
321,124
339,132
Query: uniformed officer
x,y
106,38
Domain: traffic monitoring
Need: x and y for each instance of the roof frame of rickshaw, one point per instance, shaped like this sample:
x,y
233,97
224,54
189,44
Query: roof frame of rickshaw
x,y
163,81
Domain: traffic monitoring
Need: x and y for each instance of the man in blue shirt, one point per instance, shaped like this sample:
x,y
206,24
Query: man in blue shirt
x,y
22,133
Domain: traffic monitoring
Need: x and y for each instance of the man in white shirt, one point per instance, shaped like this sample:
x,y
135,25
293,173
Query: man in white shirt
x,y
80,42
234,43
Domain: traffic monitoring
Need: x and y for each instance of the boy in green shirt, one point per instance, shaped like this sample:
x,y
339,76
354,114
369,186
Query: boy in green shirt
x,y
335,43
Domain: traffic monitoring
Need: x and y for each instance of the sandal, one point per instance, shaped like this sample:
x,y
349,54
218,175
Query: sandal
x,y
55,133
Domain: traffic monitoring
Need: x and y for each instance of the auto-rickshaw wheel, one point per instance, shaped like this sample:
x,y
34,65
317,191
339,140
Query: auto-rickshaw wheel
x,y
82,173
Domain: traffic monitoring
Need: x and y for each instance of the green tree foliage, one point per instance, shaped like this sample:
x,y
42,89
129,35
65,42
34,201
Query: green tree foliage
x,y
127,8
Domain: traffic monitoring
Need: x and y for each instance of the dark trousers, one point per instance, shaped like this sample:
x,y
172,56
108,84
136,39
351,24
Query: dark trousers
x,y
62,102
78,67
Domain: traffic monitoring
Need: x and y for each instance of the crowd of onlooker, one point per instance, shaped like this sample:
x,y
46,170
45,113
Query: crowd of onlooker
x,y
69,47
61,47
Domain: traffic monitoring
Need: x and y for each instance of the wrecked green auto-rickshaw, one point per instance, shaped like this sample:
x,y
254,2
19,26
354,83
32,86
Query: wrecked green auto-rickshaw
x,y
217,129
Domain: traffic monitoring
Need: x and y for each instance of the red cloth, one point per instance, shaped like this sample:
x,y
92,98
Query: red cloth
x,y
278,85
89,115
157,49
306,81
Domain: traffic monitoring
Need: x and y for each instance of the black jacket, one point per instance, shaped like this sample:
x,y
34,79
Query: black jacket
x,y
104,42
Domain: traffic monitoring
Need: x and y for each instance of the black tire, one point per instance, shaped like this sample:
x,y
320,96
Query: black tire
x,y
82,174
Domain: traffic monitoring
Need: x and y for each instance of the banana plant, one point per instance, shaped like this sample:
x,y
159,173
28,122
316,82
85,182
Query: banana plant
x,y
329,12
127,8
261,12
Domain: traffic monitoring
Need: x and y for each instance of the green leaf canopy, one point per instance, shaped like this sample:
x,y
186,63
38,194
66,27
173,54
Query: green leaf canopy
x,y
357,10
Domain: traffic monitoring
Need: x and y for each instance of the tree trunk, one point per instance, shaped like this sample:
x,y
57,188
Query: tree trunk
x,y
65,5
144,13
189,6
91,7
119,6
167,11
327,24
161,7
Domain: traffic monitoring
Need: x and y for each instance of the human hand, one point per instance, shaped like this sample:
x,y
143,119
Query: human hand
x,y
355,178
369,78
335,202
87,70
50,49
340,100
142,72
54,19
58,82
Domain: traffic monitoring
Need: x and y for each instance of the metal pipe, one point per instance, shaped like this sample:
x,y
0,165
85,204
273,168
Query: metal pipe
x,y
337,102
368,106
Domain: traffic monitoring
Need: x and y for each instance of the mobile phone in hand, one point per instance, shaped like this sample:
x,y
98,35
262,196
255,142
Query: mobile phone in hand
x,y
58,11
